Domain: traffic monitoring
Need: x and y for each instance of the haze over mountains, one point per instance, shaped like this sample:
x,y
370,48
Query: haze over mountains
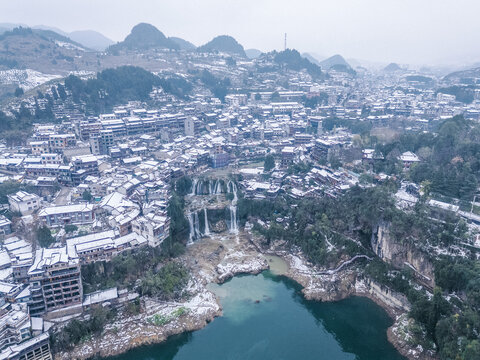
x,y
146,36
89,38
49,48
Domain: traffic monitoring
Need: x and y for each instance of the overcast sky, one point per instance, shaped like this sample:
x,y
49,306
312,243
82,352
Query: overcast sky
x,y
404,31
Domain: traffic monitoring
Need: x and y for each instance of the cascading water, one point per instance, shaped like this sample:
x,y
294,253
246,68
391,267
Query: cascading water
x,y
191,236
194,187
218,188
235,197
233,219
207,227
233,209
211,187
196,226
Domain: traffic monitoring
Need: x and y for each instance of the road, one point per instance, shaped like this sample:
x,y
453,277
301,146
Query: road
x,y
63,196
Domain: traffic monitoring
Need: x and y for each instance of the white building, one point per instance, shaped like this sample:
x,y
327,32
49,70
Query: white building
x,y
24,202
155,228
77,214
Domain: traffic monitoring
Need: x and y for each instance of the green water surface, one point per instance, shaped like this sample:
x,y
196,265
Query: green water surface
x,y
267,318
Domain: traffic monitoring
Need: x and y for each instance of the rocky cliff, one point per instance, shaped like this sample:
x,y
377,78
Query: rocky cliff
x,y
402,255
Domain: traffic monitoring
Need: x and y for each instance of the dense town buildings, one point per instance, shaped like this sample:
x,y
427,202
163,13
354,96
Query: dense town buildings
x,y
101,183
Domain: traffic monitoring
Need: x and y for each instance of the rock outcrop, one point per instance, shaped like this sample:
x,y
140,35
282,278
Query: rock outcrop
x,y
401,254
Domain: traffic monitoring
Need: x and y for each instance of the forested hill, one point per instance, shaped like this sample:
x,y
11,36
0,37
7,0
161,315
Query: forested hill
x,y
97,95
111,87
42,50
291,59
142,37
451,163
223,43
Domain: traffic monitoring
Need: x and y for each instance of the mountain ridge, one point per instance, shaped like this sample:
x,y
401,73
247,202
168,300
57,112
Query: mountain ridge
x,y
223,43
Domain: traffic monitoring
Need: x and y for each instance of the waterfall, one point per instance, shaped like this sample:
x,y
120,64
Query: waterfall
x,y
196,225
233,219
218,189
191,236
210,182
233,209
207,228
194,187
197,185
235,197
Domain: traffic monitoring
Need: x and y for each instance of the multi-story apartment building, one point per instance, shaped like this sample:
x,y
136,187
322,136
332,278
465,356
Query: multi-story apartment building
x,y
39,147
77,214
55,280
103,245
288,155
153,227
101,142
59,142
37,348
14,326
88,163
62,173
192,126
51,158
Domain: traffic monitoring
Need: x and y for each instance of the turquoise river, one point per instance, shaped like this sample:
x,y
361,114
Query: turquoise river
x,y
265,317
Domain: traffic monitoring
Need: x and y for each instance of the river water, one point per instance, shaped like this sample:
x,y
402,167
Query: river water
x,y
267,318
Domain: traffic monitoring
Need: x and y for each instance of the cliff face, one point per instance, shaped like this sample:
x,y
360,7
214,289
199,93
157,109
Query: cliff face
x,y
401,255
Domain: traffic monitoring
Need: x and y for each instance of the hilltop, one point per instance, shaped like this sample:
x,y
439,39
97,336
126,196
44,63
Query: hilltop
x,y
463,75
88,38
332,61
143,37
223,43
292,59
392,67
41,50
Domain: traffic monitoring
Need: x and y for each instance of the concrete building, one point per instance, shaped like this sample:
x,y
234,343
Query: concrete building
x,y
24,202
37,348
288,155
192,126
59,142
55,280
51,158
78,214
5,225
103,245
14,326
153,227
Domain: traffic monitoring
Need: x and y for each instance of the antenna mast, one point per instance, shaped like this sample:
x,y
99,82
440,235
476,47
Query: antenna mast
x,y
285,42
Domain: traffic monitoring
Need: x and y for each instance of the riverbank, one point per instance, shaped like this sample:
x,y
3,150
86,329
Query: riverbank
x,y
218,259
346,283
210,260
